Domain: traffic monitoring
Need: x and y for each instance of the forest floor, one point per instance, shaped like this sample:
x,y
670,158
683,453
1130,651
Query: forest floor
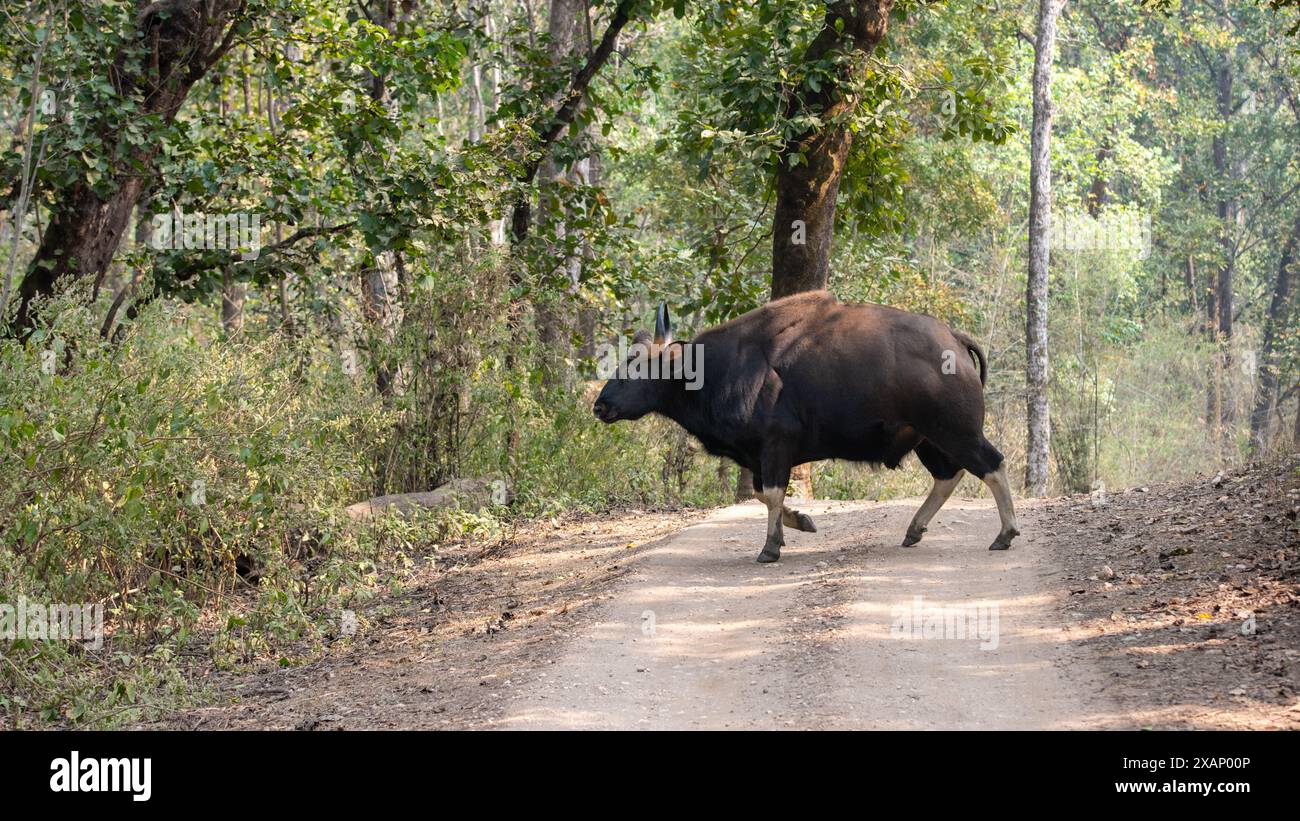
x,y
1173,606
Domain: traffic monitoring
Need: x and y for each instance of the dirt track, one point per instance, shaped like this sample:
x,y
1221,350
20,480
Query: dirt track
x,y
1125,612
702,637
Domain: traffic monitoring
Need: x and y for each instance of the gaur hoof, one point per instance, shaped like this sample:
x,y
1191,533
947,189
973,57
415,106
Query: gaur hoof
x,y
912,537
767,557
1003,541
806,523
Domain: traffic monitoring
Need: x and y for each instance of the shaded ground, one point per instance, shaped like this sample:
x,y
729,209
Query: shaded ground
x,y
446,651
1187,596
1096,618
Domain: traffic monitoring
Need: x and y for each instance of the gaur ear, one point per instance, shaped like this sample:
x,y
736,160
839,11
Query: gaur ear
x,y
663,325
641,338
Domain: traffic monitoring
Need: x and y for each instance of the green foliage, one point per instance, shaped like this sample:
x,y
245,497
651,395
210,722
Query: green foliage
x,y
143,474
391,150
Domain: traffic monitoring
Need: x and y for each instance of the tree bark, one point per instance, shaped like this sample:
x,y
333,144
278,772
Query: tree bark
x,y
382,306
477,116
809,170
744,484
1279,309
1039,422
24,135
586,313
233,294
811,164
1099,192
1227,207
554,321
185,39
1295,428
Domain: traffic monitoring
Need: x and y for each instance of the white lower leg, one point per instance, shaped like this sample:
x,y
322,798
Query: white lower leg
x,y
939,494
1001,490
774,498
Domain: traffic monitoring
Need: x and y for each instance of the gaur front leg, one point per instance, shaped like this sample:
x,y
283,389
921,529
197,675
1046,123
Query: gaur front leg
x,y
773,498
775,476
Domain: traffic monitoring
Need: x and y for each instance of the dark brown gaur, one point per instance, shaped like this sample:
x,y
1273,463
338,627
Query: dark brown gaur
x,y
807,378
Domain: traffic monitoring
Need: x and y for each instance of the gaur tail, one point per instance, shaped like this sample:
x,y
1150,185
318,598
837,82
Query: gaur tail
x,y
973,347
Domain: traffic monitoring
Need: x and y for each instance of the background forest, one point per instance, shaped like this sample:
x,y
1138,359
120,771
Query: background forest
x,y
267,258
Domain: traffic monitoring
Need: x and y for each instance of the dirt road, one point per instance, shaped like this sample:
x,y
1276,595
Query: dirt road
x,y
846,631
1174,606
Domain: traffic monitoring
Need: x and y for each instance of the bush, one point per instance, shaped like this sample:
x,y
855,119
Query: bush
x,y
194,483
148,474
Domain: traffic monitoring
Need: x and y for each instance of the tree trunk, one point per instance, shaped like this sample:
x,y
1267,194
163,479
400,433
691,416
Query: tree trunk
x,y
566,108
1295,428
232,304
185,39
566,29
744,484
380,291
809,170
1220,412
477,12
808,174
1279,309
1038,447
804,223
586,314
24,135
1099,193
498,226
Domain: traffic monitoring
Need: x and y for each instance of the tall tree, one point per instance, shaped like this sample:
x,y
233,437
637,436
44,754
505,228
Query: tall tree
x,y
812,161
563,110
173,45
1275,324
1038,447
382,270
1227,206
567,38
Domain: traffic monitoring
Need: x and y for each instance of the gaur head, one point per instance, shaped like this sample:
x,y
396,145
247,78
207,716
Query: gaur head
x,y
641,379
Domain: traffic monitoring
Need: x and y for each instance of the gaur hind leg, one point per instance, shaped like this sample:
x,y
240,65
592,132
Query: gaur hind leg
x,y
946,477
775,476
977,455
1001,488
797,520
987,463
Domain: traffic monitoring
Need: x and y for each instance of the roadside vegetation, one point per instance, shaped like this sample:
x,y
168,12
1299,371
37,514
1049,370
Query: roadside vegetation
x,y
448,207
